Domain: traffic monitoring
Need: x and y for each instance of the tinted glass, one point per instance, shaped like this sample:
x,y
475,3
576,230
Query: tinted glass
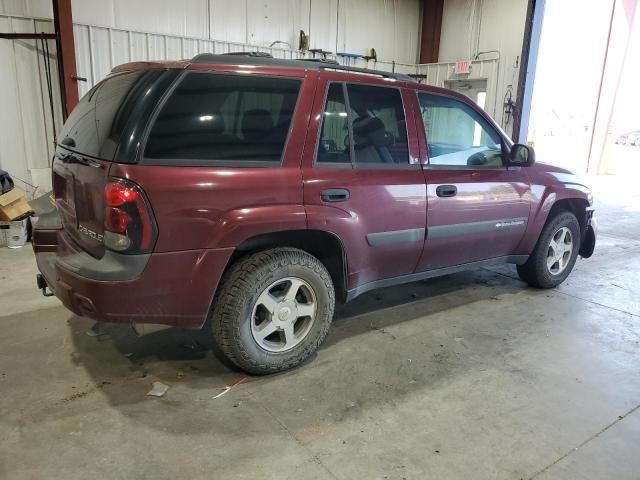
x,y
379,126
333,146
115,109
457,134
224,117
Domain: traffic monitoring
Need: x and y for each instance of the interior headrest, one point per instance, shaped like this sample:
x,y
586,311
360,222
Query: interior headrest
x,y
364,126
256,124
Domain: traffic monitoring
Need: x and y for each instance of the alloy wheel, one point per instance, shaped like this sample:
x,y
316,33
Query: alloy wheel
x,y
559,251
283,314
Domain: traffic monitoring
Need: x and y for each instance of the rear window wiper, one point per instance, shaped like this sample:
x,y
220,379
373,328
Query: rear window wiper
x,y
72,158
68,142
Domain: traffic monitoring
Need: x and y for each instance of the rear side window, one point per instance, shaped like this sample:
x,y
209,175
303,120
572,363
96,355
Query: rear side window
x,y
239,119
334,137
109,120
366,129
379,127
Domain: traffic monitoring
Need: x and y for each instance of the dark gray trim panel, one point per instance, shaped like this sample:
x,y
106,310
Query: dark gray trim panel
x,y
396,237
49,221
192,162
438,272
112,266
456,229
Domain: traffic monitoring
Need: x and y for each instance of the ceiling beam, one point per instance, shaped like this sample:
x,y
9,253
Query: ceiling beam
x,y
27,36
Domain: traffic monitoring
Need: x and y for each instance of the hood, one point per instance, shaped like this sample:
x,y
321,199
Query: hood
x,y
555,174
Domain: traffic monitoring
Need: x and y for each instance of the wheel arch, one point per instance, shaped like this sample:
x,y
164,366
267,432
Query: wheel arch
x,y
325,246
574,200
577,206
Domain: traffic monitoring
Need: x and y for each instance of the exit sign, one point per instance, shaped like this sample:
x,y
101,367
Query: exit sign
x,y
462,67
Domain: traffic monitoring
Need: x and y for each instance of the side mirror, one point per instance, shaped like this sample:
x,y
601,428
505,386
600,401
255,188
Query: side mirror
x,y
521,156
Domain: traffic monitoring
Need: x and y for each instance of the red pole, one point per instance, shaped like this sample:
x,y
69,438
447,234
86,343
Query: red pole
x,y
63,22
604,68
620,26
431,27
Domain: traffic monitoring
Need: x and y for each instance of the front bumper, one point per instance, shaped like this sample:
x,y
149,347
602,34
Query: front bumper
x,y
589,236
174,288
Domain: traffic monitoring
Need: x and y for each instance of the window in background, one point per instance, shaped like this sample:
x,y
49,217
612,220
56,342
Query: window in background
x,y
477,133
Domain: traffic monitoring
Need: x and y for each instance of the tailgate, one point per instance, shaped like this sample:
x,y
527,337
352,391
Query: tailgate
x,y
106,126
78,184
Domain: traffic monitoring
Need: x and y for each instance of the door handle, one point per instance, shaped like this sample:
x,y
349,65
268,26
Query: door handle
x,y
446,190
335,195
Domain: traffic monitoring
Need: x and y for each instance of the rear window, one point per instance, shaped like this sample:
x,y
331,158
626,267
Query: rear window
x,y
109,120
227,118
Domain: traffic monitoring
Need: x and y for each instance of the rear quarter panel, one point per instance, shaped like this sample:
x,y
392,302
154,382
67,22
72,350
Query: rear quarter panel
x,y
202,207
198,207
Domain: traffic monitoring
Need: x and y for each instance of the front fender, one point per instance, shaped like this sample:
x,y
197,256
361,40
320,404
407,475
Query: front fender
x,y
544,198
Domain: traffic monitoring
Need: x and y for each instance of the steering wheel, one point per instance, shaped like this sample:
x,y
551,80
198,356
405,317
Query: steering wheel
x,y
477,158
485,157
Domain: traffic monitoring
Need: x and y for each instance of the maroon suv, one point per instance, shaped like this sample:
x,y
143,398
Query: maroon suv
x,y
247,194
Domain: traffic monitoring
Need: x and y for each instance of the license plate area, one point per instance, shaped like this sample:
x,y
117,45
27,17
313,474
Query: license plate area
x,y
63,184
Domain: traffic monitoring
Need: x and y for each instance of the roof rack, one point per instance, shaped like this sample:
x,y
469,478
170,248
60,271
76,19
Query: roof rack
x,y
263,58
212,57
326,61
250,54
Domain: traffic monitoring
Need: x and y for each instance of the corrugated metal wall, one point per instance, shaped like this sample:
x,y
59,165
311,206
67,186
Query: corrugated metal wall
x,y
26,134
389,26
26,129
490,28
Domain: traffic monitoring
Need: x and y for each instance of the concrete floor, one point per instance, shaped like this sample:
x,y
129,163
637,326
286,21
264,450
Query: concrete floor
x,y
469,376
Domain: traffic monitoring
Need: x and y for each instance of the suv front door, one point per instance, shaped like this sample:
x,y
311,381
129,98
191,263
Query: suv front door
x,y
362,177
478,208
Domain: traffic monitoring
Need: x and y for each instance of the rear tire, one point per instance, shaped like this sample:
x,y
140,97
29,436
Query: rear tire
x,y
555,253
273,310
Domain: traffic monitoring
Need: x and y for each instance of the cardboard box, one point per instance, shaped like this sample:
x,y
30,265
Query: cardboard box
x,y
13,205
14,234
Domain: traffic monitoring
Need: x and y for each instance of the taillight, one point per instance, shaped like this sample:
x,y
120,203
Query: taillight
x,y
128,220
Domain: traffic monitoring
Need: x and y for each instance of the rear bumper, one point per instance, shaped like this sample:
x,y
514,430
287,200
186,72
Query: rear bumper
x,y
174,288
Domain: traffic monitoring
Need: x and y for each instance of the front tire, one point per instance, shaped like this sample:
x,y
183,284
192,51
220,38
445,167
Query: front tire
x,y
273,310
555,253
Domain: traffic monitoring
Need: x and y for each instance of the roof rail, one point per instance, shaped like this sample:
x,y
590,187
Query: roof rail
x,y
263,58
326,61
208,57
250,54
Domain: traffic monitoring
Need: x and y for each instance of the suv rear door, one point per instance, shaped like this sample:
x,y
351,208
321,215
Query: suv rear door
x,y
362,178
478,208
106,126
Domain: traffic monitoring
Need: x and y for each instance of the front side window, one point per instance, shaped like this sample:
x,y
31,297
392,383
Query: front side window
x,y
457,135
225,117
366,129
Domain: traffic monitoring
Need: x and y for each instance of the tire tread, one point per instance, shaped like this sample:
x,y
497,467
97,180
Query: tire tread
x,y
236,286
534,271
